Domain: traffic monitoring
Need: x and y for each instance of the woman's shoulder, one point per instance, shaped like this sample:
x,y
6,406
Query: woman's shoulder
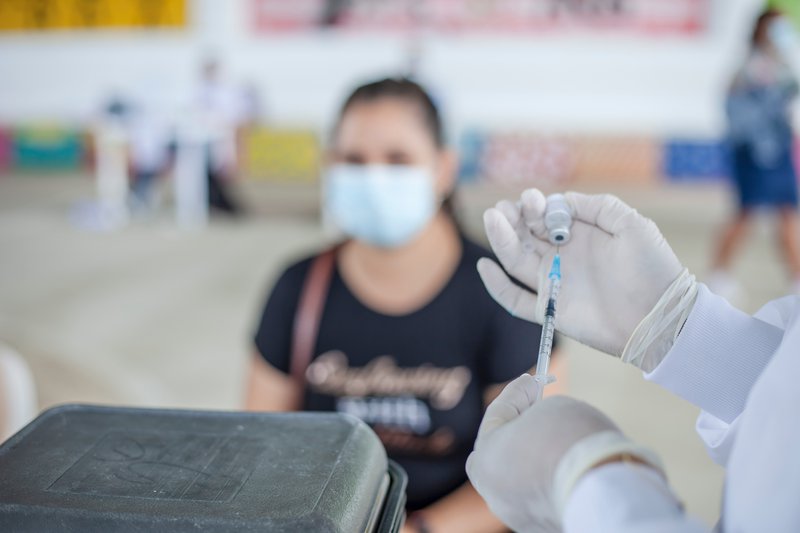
x,y
296,270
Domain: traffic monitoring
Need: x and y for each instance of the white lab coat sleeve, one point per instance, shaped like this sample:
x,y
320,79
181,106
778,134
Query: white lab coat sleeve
x,y
762,487
717,357
712,341
626,498
763,468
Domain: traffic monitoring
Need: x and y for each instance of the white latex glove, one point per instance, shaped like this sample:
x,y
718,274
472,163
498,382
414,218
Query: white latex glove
x,y
615,267
528,458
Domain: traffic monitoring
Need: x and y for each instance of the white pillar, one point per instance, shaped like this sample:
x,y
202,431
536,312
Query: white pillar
x,y
112,175
18,404
191,187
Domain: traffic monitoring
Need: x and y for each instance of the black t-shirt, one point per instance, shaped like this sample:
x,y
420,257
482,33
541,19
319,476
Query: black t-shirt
x,y
417,379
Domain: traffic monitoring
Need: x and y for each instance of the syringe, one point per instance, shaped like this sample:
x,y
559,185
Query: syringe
x,y
548,328
557,221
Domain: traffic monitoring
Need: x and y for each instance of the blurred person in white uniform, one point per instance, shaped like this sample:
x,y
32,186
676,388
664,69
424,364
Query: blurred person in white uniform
x,y
150,137
218,107
561,465
140,122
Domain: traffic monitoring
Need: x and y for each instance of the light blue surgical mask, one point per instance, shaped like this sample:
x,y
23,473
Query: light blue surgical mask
x,y
782,35
382,205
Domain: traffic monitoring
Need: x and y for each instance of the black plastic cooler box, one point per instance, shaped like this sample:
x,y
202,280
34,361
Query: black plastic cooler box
x,y
92,469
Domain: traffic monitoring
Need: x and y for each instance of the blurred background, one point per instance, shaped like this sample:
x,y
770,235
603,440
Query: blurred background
x,y
117,287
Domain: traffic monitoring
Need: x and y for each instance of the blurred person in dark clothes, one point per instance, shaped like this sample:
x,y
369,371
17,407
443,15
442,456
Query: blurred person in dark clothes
x,y
403,335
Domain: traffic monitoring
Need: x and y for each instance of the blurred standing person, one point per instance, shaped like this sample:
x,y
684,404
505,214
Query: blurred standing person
x,y
251,118
251,108
218,106
150,135
760,136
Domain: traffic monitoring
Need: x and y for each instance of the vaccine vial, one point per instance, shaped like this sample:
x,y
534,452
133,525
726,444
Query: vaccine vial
x,y
557,219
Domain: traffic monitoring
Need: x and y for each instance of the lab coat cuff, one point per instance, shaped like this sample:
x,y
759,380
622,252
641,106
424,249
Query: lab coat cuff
x,y
717,357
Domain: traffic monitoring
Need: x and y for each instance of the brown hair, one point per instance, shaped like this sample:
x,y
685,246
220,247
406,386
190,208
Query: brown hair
x,y
403,89
759,36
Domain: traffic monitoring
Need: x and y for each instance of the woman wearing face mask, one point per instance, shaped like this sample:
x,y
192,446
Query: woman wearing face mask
x,y
760,138
404,336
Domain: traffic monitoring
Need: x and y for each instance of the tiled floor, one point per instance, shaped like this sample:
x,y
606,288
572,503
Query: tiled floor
x,y
153,316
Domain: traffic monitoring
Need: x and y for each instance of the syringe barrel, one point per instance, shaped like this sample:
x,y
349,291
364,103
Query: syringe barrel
x,y
545,348
558,219
548,326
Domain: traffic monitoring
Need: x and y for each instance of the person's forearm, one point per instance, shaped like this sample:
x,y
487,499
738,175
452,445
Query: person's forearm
x,y
462,510
717,357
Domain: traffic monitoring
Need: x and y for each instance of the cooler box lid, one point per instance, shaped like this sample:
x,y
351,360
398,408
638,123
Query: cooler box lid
x,y
91,468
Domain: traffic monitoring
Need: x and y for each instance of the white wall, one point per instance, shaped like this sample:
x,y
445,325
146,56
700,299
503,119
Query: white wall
x,y
585,84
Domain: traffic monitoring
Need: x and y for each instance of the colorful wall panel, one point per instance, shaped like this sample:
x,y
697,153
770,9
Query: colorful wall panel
x,y
36,15
522,159
695,160
531,159
47,148
470,151
677,17
281,155
618,160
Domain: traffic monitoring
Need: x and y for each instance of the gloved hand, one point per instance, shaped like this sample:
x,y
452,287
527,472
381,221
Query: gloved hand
x,y
615,269
528,458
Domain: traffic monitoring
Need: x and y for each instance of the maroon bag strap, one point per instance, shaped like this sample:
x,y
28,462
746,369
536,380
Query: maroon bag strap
x,y
309,315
